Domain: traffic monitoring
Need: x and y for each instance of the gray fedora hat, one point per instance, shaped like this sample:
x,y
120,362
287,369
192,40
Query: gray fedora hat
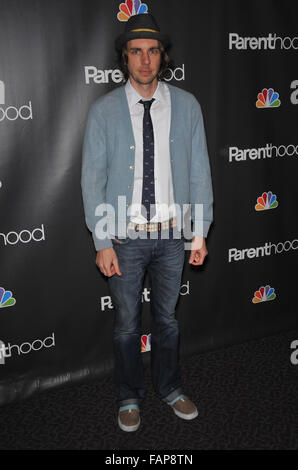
x,y
142,26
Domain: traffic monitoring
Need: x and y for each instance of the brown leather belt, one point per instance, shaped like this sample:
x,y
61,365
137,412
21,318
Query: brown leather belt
x,y
153,226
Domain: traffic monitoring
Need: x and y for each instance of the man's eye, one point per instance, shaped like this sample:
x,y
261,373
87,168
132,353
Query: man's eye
x,y
154,51
135,51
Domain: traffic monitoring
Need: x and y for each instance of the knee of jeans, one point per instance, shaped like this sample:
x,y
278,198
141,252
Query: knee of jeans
x,y
167,323
127,334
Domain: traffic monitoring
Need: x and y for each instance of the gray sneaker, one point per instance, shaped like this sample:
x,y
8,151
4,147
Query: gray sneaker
x,y
129,418
184,407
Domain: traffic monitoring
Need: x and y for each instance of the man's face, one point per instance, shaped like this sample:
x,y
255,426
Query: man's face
x,y
143,60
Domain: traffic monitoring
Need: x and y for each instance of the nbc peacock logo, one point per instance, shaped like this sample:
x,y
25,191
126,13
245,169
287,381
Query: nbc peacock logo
x,y
266,201
146,343
130,8
268,99
6,298
264,294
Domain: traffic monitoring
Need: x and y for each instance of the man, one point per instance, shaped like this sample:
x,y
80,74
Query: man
x,y
145,143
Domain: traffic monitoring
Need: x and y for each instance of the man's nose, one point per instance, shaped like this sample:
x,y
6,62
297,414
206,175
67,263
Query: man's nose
x,y
146,58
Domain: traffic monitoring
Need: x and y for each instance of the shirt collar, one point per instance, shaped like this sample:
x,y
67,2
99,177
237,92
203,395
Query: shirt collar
x,y
134,97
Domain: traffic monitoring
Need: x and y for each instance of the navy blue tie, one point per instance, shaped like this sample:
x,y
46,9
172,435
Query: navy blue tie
x,y
148,192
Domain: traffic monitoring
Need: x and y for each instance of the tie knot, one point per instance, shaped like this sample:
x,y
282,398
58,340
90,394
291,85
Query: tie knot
x,y
147,104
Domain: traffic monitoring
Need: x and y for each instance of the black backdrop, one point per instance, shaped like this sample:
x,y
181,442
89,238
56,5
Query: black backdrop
x,y
56,58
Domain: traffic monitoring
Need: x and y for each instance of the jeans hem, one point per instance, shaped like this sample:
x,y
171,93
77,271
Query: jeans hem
x,y
172,395
129,401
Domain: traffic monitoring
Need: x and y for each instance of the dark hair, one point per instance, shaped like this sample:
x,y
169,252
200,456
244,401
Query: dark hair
x,y
164,63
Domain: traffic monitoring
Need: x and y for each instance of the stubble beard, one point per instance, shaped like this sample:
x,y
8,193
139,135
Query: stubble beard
x,y
144,81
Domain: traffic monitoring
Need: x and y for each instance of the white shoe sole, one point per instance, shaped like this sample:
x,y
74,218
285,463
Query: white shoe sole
x,y
186,416
128,428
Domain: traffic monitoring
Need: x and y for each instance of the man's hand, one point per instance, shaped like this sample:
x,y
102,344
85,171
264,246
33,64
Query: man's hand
x,y
198,251
107,262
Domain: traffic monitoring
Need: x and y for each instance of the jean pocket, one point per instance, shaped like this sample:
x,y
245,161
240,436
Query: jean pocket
x,y
120,241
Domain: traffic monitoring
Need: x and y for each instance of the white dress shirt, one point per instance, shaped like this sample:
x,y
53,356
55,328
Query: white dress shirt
x,y
161,120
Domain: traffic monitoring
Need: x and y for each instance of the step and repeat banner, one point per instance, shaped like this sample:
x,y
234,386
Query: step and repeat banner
x,y
56,58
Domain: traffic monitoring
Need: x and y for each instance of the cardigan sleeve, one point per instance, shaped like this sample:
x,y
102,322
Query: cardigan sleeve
x,y
201,193
94,176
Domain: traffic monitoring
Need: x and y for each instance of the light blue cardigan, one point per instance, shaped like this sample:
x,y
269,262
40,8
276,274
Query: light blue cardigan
x,y
109,158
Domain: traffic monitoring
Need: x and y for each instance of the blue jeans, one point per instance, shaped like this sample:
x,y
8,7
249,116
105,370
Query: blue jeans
x,y
163,259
